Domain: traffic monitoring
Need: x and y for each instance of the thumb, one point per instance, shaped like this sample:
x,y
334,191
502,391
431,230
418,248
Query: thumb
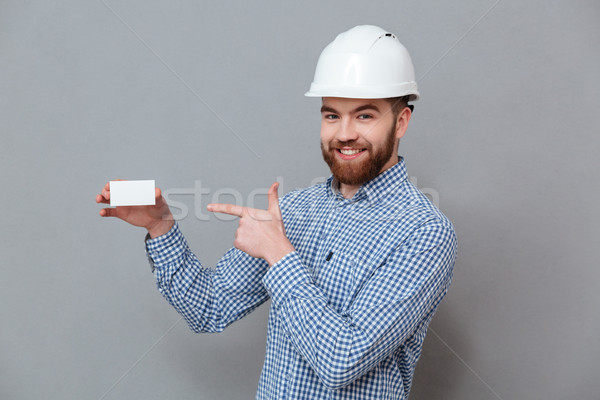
x,y
274,199
158,197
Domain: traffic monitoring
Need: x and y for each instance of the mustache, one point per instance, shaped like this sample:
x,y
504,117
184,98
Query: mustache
x,y
350,143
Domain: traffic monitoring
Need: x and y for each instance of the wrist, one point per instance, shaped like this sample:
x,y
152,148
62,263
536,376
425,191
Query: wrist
x,y
160,227
278,254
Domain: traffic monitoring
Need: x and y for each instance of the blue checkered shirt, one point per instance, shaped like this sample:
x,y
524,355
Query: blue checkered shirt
x,y
349,307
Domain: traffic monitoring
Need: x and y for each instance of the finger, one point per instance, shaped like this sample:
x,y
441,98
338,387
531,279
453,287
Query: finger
x,y
108,212
107,186
101,199
158,197
104,195
274,198
230,209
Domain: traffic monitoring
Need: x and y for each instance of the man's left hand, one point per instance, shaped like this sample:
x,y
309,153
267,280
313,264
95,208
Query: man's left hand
x,y
260,233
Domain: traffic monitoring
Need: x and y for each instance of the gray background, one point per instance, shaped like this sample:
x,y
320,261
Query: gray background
x,y
184,91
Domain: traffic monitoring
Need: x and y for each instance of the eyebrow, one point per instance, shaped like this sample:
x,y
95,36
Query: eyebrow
x,y
369,106
328,109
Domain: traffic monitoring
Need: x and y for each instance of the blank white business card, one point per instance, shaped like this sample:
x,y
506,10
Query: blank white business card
x,y
132,193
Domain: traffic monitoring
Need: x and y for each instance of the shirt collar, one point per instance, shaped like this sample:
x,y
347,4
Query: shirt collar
x,y
376,188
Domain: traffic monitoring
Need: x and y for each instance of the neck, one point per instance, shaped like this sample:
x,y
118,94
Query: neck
x,y
348,191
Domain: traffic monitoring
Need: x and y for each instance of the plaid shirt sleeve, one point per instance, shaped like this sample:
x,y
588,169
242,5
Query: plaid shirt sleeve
x,y
208,299
396,301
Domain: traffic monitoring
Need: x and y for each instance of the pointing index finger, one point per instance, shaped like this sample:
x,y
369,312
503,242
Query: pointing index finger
x,y
230,209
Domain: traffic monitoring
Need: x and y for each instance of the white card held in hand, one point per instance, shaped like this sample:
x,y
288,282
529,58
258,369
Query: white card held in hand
x,y
132,193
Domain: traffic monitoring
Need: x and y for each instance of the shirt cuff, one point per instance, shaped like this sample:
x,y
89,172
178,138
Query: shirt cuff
x,y
166,248
284,276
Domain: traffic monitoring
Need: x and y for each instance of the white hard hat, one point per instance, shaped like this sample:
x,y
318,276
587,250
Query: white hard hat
x,y
366,62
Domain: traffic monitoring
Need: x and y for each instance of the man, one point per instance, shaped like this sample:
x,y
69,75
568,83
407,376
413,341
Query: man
x,y
355,267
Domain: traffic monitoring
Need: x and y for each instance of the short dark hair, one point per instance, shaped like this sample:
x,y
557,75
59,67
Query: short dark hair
x,y
398,104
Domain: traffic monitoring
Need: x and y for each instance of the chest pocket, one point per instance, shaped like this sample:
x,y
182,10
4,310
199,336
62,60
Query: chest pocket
x,y
336,279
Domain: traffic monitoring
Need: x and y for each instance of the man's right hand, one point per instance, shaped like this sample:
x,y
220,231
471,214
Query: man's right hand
x,y
157,219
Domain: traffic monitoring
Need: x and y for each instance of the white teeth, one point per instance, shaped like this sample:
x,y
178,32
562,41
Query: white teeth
x,y
348,152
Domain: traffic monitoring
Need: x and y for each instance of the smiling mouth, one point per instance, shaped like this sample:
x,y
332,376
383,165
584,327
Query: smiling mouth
x,y
349,154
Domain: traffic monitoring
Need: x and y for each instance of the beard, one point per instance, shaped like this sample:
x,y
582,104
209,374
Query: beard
x,y
358,172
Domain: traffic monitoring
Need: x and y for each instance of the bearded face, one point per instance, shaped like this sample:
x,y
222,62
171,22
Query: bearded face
x,y
358,161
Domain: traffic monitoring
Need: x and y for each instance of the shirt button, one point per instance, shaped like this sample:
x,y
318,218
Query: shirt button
x,y
288,377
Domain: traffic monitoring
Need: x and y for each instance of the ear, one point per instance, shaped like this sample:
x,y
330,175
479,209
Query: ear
x,y
402,122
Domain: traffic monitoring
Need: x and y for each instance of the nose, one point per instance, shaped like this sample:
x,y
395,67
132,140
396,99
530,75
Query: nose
x,y
347,131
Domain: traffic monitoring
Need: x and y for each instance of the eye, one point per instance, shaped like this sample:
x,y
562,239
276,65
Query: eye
x,y
365,116
330,116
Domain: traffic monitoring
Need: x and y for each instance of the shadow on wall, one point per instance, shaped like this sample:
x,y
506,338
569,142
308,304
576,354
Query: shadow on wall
x,y
440,374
